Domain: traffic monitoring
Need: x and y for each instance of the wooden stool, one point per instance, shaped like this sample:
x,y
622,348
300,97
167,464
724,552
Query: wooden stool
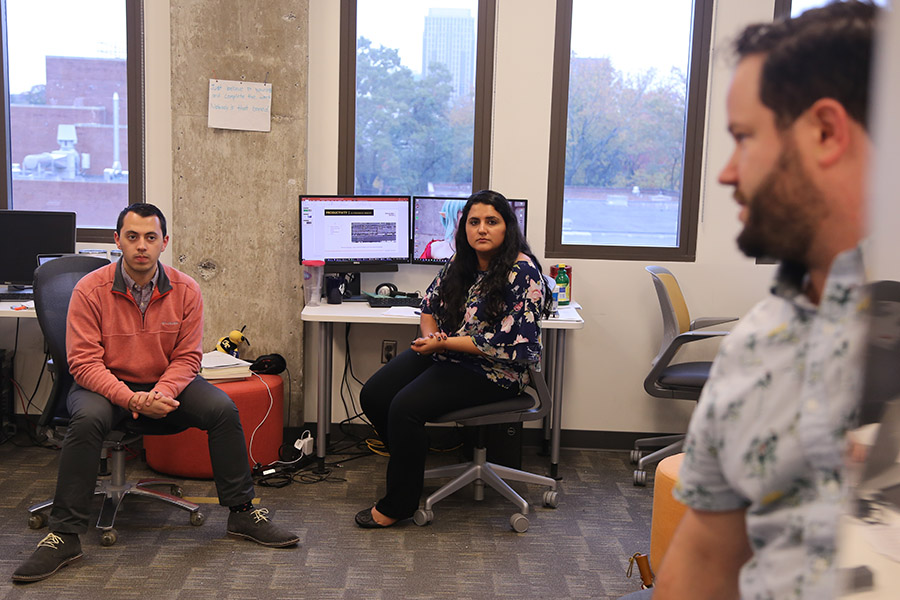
x,y
186,454
667,511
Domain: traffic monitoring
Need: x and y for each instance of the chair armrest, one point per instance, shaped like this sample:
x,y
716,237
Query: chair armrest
x,y
663,360
701,322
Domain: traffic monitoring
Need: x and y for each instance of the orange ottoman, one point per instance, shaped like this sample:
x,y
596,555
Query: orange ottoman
x,y
667,511
186,454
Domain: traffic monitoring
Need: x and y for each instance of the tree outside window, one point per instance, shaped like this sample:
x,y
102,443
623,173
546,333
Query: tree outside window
x,y
415,96
627,128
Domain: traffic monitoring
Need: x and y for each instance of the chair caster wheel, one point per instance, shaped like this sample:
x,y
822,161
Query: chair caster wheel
x,y
108,537
640,478
635,456
551,499
177,491
37,520
423,517
197,518
519,523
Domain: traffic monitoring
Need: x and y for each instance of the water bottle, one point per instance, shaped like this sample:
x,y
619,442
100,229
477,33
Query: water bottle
x,y
562,283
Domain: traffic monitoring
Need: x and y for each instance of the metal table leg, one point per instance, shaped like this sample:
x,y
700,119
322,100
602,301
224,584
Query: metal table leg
x,y
549,349
559,361
323,412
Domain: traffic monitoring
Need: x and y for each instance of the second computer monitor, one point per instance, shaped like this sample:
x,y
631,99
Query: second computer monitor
x,y
434,226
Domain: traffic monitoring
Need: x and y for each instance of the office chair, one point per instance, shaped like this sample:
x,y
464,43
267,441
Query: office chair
x,y
53,285
524,407
667,380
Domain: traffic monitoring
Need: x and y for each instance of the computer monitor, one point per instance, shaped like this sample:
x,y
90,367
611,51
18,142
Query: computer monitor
x,y
434,225
24,234
355,233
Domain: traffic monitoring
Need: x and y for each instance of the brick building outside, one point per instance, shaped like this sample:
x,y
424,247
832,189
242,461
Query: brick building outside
x,y
79,92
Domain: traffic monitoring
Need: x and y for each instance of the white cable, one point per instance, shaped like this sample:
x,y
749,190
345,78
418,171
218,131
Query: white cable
x,y
266,416
303,436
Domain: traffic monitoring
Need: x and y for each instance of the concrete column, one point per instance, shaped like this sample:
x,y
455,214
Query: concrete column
x,y
235,193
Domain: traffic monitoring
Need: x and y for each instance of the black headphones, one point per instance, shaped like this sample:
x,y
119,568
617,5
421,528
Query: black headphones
x,y
269,363
389,289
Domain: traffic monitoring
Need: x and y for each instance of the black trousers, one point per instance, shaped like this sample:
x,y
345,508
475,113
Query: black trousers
x,y
399,399
92,416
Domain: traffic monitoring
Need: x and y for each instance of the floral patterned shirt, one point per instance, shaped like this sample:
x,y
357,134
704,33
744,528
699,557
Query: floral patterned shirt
x,y
513,343
768,432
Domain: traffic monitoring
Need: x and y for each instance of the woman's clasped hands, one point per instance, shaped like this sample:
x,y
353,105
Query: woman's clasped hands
x,y
429,344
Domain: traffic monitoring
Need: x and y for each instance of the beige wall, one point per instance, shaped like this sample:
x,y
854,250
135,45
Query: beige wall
x,y
885,212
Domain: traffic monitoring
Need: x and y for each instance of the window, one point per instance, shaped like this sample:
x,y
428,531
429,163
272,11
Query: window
x,y
796,7
415,96
72,109
627,122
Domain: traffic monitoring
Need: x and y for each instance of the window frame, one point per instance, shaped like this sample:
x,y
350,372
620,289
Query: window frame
x,y
484,79
695,124
782,8
134,23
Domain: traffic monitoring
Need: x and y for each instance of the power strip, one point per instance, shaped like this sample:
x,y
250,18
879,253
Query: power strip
x,y
305,444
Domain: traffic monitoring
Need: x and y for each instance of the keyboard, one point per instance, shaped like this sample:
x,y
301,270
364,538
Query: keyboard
x,y
16,296
388,301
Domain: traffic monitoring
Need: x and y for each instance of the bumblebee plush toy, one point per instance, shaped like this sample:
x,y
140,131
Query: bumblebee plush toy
x,y
230,344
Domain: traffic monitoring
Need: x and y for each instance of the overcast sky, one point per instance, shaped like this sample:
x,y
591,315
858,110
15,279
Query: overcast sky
x,y
620,30
89,28
611,28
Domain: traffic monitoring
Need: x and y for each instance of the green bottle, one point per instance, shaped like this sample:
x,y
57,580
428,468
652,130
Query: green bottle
x,y
562,283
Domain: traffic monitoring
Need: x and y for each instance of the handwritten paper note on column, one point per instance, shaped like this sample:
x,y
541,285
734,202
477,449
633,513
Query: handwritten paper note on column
x,y
240,105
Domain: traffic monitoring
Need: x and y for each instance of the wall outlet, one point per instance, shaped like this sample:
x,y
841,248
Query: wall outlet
x,y
388,350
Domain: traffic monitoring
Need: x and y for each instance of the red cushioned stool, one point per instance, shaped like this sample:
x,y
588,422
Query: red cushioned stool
x,y
186,454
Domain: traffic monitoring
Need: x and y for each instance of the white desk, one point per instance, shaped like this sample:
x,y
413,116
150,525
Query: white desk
x,y
855,550
326,315
6,310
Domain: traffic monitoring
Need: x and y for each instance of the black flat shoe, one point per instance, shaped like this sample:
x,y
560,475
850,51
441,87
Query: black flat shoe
x,y
364,519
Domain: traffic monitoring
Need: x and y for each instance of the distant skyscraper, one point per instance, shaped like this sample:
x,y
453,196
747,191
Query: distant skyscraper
x,y
449,39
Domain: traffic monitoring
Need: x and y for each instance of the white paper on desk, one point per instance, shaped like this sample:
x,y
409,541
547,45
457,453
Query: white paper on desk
x,y
568,312
884,538
402,311
28,304
220,360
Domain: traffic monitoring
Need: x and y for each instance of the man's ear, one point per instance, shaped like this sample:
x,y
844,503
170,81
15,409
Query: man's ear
x,y
831,127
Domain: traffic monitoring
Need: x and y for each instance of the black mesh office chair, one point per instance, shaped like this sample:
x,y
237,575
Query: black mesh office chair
x,y
524,407
53,285
673,380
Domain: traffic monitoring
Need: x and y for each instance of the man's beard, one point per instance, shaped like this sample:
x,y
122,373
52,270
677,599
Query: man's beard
x,y
783,214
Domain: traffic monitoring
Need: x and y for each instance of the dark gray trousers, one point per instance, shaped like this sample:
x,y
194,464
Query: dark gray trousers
x,y
92,417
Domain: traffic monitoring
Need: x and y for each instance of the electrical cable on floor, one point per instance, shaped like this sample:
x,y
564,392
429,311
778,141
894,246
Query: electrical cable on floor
x,y
353,412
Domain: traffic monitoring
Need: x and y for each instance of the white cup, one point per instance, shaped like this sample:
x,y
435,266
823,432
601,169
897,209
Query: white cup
x,y
313,276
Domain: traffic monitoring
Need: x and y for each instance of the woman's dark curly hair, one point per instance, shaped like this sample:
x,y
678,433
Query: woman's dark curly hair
x,y
463,269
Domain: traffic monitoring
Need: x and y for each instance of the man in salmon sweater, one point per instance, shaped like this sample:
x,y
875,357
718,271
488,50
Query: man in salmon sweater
x,y
133,339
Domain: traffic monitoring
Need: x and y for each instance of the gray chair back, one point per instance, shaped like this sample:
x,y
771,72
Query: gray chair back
x,y
54,282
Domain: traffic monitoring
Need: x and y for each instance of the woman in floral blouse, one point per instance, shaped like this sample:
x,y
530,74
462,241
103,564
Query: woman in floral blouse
x,y
480,329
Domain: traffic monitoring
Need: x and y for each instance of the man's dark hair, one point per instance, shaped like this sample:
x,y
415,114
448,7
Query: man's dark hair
x,y
823,53
142,209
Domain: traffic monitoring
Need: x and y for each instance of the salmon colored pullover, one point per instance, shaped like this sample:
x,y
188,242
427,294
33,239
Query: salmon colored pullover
x,y
109,341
